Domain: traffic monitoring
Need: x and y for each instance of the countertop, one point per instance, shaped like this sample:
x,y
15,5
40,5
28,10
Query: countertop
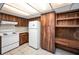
x,y
23,32
1,34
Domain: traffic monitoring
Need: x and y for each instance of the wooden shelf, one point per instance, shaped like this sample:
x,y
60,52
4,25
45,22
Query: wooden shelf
x,y
67,42
70,18
67,25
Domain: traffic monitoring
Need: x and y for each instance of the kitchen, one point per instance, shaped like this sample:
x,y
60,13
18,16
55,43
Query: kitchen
x,y
36,29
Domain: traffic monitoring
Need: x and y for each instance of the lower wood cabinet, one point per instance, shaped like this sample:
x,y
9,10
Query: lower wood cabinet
x,y
47,39
23,38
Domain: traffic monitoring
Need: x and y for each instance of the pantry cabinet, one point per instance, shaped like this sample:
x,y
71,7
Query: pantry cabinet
x,y
23,38
48,32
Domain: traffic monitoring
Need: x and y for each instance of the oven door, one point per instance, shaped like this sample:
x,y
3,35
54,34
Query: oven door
x,y
9,39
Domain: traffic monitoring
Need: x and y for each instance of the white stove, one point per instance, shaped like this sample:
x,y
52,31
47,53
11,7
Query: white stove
x,y
9,38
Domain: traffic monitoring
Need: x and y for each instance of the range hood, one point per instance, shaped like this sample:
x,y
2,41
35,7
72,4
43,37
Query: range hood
x,y
8,22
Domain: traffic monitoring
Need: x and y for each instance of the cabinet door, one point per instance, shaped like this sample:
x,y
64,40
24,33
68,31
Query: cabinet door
x,y
43,38
21,22
0,44
50,19
48,32
0,16
43,20
23,38
3,17
48,39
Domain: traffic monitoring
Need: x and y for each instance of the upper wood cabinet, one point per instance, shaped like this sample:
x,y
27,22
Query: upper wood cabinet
x,y
47,19
43,20
7,17
21,21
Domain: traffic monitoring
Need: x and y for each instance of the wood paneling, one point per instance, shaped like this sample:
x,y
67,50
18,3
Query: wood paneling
x,y
23,38
48,32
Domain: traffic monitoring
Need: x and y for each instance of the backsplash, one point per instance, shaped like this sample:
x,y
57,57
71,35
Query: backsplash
x,y
7,28
13,28
21,29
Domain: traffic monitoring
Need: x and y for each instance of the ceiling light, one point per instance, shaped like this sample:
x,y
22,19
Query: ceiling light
x,y
14,9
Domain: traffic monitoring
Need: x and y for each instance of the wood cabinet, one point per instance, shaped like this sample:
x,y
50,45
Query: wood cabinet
x,y
23,38
48,32
21,21
7,17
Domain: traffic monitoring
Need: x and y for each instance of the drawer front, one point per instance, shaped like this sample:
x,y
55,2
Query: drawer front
x,y
5,49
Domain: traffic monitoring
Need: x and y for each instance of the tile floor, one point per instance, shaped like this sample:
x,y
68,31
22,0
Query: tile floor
x,y
26,50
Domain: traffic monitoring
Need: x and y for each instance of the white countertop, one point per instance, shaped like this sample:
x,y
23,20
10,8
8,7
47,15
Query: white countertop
x,y
22,31
1,34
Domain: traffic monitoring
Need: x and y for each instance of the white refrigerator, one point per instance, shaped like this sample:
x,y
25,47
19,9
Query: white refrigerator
x,y
34,34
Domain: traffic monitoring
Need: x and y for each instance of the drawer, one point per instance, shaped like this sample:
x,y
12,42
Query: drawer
x,y
5,49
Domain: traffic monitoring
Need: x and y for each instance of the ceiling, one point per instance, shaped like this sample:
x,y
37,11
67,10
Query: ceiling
x,y
30,10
